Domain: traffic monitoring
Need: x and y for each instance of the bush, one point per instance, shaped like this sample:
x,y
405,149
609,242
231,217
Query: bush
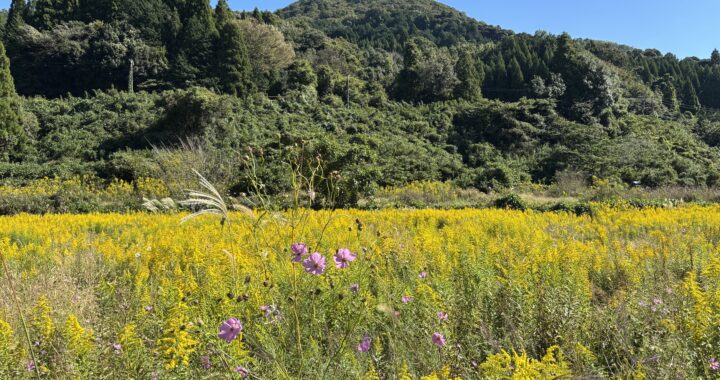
x,y
511,202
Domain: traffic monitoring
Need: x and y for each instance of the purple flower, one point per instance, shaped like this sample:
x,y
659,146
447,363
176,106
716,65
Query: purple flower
x,y
354,288
438,339
299,250
30,366
148,308
423,274
657,301
714,365
364,345
266,310
442,316
407,299
314,264
242,371
343,257
230,330
117,347
205,362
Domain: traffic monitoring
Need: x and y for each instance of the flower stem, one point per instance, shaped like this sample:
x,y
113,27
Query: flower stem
x,y
297,322
16,301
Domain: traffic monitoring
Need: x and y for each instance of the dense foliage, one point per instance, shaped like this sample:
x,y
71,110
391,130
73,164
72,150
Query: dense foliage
x,y
386,92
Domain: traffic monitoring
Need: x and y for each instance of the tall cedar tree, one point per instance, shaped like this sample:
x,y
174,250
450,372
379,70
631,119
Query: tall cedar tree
x,y
516,79
15,14
14,22
195,46
715,57
222,13
690,98
470,78
408,80
11,132
234,71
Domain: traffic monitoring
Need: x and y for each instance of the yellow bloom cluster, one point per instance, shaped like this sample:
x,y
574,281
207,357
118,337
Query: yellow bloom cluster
x,y
521,289
117,188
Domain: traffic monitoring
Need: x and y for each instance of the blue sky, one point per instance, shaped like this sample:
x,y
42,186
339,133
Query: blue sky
x,y
686,28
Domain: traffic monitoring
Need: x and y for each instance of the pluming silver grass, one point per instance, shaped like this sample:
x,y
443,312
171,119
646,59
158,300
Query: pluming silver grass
x,y
209,201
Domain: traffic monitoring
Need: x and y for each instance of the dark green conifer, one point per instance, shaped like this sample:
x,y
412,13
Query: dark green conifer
x,y
470,84
234,71
11,132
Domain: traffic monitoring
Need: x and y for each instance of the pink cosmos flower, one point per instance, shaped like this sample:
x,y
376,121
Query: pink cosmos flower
x,y
442,316
714,364
230,330
299,250
438,339
242,371
315,264
407,299
423,274
364,345
343,257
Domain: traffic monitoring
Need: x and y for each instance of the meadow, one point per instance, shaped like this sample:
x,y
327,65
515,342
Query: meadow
x,y
395,294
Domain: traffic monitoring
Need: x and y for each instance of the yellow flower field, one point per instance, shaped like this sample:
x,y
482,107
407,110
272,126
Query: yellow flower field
x,y
426,294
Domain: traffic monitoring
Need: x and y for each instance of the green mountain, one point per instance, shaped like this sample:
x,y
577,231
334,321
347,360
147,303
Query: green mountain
x,y
389,91
388,24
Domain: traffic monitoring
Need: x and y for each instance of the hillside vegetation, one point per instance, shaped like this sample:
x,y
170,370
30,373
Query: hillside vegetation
x,y
386,92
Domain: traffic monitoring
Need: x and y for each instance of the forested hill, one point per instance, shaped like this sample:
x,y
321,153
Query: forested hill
x,y
391,91
388,24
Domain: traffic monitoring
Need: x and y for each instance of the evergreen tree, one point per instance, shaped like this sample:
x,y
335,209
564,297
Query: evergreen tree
x,y
257,15
234,71
470,84
43,14
14,22
222,13
195,45
516,79
690,98
710,93
500,77
408,79
715,57
16,14
12,137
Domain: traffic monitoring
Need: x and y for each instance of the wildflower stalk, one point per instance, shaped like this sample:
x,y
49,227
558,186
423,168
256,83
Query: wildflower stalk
x,y
298,335
341,345
297,322
16,301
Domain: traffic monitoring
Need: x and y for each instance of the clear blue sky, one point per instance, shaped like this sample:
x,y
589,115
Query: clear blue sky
x,y
686,28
